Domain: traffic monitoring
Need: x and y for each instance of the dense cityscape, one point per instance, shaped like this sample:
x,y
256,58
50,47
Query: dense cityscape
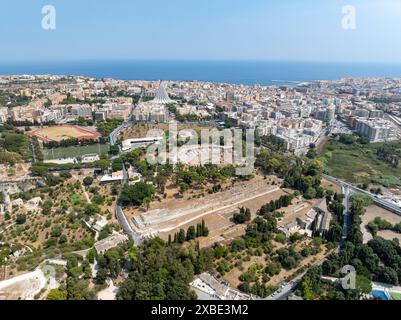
x,y
84,214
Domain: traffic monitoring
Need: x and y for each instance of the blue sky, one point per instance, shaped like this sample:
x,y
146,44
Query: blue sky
x,y
301,30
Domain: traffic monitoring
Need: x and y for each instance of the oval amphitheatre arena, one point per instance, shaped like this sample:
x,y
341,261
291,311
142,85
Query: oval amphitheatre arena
x,y
64,132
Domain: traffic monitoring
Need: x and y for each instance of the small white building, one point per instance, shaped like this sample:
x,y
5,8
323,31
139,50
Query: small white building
x,y
90,158
114,177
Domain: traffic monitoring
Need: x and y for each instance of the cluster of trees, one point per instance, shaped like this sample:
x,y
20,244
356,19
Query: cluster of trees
x,y
56,237
41,169
14,145
336,207
244,215
283,202
258,238
192,233
302,175
158,174
260,231
72,142
251,283
289,258
162,272
273,163
306,177
349,139
312,287
379,224
272,142
199,175
379,260
312,152
390,154
72,100
137,194
117,165
107,127
184,177
76,286
111,263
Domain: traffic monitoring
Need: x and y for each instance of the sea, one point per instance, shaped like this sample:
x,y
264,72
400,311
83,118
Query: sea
x,y
279,73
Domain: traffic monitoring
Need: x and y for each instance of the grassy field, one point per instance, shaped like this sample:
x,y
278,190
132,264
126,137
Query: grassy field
x,y
359,163
61,153
395,296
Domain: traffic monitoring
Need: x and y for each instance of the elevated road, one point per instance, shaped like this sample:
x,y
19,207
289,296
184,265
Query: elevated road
x,y
114,135
377,200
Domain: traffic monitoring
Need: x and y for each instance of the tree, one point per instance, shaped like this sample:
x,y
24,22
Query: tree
x,y
47,207
91,255
184,187
347,139
88,181
106,231
39,171
199,232
306,289
79,289
388,275
310,193
21,219
57,294
273,269
161,272
205,229
238,245
181,236
191,233
335,232
243,216
136,194
101,276
117,165
312,153
91,209
114,150
147,202
63,239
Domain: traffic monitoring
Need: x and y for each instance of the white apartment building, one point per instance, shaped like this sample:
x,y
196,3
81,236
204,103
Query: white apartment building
x,y
377,130
3,114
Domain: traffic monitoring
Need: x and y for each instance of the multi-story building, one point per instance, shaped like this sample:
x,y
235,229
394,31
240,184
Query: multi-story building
x,y
3,114
326,115
120,111
376,130
150,112
81,111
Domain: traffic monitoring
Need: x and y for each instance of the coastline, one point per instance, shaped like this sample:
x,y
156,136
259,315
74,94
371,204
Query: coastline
x,y
265,73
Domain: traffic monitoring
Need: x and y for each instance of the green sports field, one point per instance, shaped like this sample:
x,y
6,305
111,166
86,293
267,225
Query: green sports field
x,y
70,152
395,296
